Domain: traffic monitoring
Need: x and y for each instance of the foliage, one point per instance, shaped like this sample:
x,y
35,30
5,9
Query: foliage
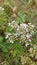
x,y
18,32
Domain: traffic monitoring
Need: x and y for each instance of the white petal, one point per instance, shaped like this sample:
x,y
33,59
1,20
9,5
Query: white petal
x,y
32,26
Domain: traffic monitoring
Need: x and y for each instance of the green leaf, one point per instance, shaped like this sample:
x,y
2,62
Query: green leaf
x,y
21,18
18,48
4,46
1,39
35,40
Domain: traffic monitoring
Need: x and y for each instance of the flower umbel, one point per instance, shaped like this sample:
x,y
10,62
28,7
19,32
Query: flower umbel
x,y
22,32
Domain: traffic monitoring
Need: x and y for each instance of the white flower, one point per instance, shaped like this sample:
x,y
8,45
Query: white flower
x,y
13,22
24,31
28,36
23,25
29,23
9,24
32,26
17,28
7,36
29,40
1,8
12,26
30,50
32,32
27,44
16,34
27,30
23,37
11,41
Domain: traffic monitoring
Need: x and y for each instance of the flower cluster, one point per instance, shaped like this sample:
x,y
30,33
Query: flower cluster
x,y
22,32
4,63
30,56
33,52
25,60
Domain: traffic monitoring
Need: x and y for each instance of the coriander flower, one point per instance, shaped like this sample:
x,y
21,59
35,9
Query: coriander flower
x,y
1,8
9,24
28,36
7,36
23,25
22,32
26,44
11,41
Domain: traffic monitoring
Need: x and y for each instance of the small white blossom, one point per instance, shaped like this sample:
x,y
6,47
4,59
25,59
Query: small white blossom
x,y
9,24
17,28
29,23
28,36
27,30
29,40
23,25
11,41
27,44
32,32
32,26
7,36
13,21
1,8
30,50
15,34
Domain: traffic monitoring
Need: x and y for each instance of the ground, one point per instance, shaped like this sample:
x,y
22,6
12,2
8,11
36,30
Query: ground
x,y
17,13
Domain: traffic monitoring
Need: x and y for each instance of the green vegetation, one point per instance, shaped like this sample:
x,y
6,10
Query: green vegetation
x,y
18,32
